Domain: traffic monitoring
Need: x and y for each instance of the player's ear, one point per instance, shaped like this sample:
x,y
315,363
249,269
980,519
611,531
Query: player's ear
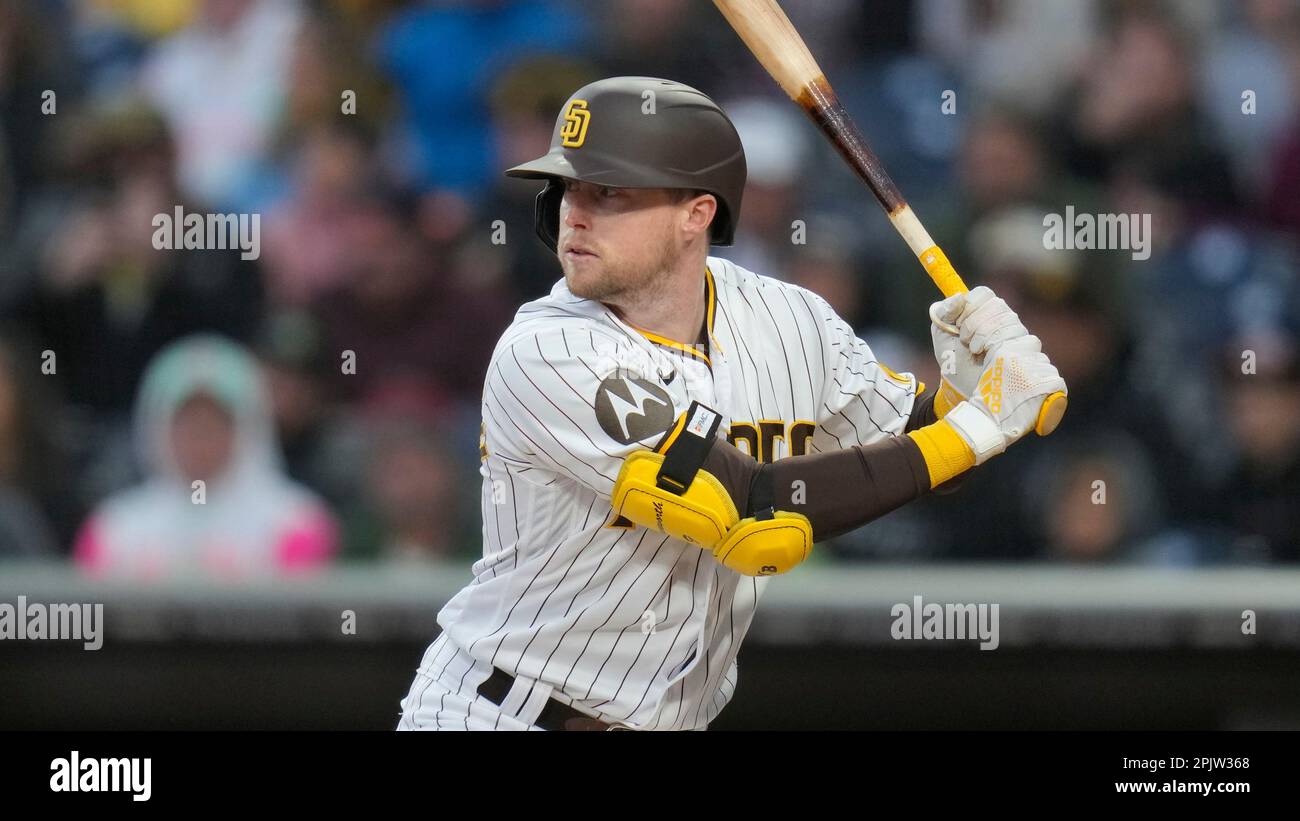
x,y
699,209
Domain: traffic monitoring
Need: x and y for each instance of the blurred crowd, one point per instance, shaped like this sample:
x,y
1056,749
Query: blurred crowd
x,y
322,399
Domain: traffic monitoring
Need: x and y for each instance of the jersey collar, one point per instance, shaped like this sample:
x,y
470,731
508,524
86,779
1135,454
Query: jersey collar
x,y
711,297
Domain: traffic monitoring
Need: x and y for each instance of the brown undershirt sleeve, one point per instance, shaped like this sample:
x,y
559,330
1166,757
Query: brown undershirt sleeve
x,y
837,490
923,412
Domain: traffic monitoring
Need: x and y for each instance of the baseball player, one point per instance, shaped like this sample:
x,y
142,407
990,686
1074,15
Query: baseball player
x,y
666,430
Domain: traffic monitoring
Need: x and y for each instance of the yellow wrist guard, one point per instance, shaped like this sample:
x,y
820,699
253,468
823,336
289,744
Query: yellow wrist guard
x,y
946,454
667,490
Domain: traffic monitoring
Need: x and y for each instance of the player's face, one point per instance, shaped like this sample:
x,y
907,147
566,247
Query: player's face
x,y
617,241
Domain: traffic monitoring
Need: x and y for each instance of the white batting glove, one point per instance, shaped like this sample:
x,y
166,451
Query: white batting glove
x,y
1008,398
982,321
986,321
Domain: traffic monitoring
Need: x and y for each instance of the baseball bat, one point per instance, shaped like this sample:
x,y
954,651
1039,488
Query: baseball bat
x,y
772,38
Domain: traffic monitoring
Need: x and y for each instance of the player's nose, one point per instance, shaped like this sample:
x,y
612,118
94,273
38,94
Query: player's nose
x,y
575,211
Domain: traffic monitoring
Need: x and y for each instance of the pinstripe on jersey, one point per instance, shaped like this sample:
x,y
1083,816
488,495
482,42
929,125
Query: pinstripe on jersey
x,y
562,594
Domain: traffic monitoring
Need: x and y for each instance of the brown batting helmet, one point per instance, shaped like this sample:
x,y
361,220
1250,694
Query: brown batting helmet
x,y
641,132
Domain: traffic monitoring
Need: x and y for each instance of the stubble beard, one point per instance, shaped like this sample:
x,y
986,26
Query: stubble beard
x,y
625,283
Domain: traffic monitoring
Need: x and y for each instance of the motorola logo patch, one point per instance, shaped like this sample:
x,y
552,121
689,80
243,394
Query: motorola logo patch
x,y
631,409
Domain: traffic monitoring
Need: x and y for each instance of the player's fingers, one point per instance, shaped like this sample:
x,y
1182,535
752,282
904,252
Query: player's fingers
x,y
991,314
1008,324
984,310
949,309
1004,330
975,299
981,325
972,318
1025,343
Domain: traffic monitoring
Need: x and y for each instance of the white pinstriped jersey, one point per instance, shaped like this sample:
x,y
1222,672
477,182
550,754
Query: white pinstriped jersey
x,y
627,623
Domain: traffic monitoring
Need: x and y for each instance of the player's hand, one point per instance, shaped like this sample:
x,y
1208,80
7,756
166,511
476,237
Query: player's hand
x,y
1008,401
981,321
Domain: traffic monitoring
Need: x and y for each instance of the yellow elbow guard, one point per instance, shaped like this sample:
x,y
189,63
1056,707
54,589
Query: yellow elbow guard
x,y
767,546
702,514
667,490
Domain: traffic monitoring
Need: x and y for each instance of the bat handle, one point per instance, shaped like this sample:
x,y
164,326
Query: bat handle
x,y
946,277
941,271
949,281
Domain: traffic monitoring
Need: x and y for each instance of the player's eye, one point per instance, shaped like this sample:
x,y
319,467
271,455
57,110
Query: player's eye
x,y
609,193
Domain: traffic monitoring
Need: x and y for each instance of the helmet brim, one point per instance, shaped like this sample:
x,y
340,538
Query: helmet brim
x,y
554,164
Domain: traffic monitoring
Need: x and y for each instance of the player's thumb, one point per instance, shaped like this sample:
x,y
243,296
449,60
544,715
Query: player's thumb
x,y
947,310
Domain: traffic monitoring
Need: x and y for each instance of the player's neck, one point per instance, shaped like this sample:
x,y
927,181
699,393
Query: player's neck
x,y
676,308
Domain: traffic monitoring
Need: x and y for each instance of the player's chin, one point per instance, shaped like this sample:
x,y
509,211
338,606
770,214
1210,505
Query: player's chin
x,y
585,277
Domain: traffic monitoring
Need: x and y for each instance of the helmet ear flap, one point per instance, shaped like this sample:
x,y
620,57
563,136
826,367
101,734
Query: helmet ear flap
x,y
723,229
547,214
